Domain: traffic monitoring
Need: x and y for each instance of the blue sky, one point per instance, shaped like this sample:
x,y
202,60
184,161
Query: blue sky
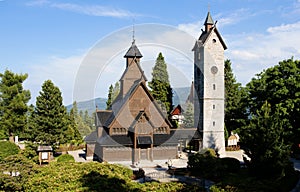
x,y
58,40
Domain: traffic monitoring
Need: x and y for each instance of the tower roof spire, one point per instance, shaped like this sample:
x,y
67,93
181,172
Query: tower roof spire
x,y
133,51
208,20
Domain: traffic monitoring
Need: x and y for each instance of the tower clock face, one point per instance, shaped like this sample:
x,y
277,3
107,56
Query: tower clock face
x,y
214,69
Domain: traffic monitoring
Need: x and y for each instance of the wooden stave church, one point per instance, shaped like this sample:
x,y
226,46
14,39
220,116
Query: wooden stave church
x,y
135,128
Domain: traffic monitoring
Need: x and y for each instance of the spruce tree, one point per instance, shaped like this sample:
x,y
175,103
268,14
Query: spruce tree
x,y
109,97
50,115
235,101
72,133
188,114
160,84
13,104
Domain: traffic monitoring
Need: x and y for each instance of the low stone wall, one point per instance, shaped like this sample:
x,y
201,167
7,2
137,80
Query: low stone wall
x,y
164,152
117,154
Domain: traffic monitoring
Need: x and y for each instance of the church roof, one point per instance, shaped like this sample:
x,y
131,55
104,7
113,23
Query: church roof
x,y
140,69
102,116
205,35
92,137
122,103
208,19
133,51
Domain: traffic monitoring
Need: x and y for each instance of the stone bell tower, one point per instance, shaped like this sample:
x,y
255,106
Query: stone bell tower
x,y
209,86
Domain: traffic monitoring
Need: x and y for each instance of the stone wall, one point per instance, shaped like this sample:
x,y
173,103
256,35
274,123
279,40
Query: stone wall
x,y
165,152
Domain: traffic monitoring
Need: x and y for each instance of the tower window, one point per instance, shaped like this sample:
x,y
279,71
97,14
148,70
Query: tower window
x,y
214,40
199,56
214,86
214,106
214,123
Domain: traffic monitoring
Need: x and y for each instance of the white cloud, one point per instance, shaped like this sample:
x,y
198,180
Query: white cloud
x,y
61,71
92,10
37,3
284,28
234,17
224,19
251,53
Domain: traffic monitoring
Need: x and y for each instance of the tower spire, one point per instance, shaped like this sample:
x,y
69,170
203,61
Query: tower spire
x,y
209,22
133,32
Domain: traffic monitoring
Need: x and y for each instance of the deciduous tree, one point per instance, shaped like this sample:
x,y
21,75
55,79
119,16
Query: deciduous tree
x,y
265,144
279,85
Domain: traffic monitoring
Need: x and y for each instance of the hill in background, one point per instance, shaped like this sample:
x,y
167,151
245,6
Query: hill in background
x,y
179,97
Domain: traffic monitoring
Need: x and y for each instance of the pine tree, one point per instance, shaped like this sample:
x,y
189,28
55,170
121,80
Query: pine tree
x,y
188,114
160,84
235,105
113,93
109,97
72,133
50,115
13,104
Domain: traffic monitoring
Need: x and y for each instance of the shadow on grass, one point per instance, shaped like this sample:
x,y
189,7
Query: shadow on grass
x,y
93,181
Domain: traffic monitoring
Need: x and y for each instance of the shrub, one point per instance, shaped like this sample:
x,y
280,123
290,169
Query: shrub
x,y
30,151
65,158
208,152
7,148
205,163
229,164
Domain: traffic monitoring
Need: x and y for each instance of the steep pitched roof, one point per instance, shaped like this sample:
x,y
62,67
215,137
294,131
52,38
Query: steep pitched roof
x,y
133,51
205,35
92,137
114,140
139,67
122,102
209,19
102,116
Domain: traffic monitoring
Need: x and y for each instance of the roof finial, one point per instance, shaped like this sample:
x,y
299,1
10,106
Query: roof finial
x,y
208,7
133,31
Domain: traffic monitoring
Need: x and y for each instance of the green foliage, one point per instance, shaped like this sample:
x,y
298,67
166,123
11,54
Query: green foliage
x,y
7,148
19,169
72,133
230,165
65,158
160,84
93,176
279,85
13,103
113,93
30,151
109,97
266,145
50,116
188,114
204,163
235,96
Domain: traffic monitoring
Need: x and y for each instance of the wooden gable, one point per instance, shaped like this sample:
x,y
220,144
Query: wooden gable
x,y
139,99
